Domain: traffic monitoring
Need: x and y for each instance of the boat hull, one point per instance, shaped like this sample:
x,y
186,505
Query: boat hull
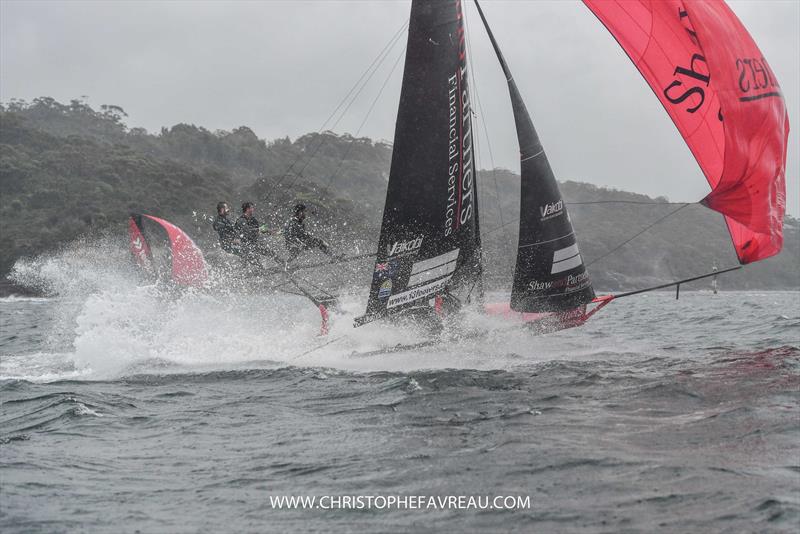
x,y
551,321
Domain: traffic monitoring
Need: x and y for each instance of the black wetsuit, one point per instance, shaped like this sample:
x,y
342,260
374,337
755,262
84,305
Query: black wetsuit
x,y
248,230
298,240
227,233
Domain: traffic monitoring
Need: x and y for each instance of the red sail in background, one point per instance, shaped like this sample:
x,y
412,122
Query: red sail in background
x,y
139,247
188,264
722,95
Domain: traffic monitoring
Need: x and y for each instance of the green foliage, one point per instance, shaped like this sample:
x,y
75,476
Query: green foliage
x,y
67,169
55,188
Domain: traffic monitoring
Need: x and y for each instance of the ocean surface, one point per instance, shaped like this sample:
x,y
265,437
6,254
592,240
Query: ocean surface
x,y
132,408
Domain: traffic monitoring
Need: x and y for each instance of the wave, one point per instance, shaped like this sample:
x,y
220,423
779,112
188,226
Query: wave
x,y
106,324
12,299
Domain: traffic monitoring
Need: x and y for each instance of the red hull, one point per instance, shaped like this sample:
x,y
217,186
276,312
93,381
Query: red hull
x,y
549,321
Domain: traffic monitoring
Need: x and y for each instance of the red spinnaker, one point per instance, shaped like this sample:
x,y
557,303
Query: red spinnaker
x,y
139,247
724,99
188,264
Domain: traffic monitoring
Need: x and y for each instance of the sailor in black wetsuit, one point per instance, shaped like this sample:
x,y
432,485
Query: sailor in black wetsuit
x,y
248,230
298,240
228,240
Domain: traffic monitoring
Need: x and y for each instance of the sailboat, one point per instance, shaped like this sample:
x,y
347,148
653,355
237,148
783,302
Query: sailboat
x,y
187,266
707,71
182,263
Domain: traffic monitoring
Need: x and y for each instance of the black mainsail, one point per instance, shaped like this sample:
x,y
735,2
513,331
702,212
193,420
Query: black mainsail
x,y
550,275
429,242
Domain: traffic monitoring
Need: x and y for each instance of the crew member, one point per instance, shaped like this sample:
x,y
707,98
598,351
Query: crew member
x,y
248,230
228,240
298,240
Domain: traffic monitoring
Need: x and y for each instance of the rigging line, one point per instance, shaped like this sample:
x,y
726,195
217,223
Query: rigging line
x,y
318,288
474,283
369,111
305,266
278,285
625,202
493,230
291,278
309,351
378,59
292,281
383,53
646,228
598,202
352,101
505,239
288,279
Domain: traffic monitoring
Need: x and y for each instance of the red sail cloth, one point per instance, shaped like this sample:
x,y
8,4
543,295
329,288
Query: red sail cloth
x,y
724,99
139,247
188,264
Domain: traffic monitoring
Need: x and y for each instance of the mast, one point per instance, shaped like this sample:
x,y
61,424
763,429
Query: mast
x,y
549,273
714,279
429,242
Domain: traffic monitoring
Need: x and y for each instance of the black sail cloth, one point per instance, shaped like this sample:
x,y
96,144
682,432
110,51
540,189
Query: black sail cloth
x,y
550,274
429,242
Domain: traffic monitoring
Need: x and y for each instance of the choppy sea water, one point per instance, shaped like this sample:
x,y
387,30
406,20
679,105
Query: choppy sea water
x,y
128,408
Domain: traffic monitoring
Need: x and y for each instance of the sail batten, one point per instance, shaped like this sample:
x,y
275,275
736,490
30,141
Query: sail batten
x,y
550,274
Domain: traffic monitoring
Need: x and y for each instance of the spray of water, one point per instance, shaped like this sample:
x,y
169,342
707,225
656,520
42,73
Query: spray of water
x,y
106,321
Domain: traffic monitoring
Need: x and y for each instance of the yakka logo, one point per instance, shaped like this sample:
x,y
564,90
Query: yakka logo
x,y
552,209
404,247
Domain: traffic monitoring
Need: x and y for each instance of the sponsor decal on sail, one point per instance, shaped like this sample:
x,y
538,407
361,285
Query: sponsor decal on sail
x,y
725,100
385,289
401,248
384,270
565,259
756,80
569,283
551,210
433,268
452,152
417,293
460,172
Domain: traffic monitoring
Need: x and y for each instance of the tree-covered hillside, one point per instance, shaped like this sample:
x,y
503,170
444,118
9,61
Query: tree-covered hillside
x,y
67,170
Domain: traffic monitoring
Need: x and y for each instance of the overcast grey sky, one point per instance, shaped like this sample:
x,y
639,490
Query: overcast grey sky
x,y
281,67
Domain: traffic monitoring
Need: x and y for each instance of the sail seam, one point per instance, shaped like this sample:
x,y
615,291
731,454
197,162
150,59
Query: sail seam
x,y
548,241
533,156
